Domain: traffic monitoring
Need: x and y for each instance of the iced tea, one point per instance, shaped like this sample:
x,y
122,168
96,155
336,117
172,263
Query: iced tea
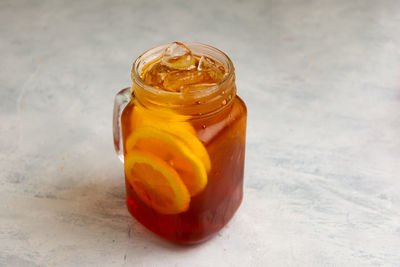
x,y
184,142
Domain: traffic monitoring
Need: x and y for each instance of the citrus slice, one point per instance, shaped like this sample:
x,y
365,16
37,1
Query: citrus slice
x,y
173,124
174,152
194,144
165,118
156,183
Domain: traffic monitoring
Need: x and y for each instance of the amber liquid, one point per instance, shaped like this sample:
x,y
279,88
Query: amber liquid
x,y
223,135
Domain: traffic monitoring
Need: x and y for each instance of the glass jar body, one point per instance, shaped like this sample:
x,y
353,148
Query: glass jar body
x,y
222,133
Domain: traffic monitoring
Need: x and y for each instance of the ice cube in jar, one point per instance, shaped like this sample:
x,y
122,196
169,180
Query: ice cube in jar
x,y
179,70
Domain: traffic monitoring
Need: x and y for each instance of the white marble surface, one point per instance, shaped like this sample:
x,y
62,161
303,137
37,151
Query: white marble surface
x,y
321,80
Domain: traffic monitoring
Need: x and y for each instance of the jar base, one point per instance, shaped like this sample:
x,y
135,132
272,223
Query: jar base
x,y
183,238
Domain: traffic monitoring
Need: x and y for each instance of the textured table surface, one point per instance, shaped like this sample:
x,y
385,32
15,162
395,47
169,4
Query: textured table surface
x,y
321,80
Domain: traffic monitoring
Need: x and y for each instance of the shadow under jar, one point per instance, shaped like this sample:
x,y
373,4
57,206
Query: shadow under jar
x,y
183,151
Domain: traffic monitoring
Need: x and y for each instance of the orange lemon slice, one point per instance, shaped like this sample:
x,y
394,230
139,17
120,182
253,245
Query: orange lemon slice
x,y
156,183
193,143
174,125
142,117
174,152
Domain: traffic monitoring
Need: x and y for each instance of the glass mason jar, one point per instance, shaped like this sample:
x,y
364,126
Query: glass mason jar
x,y
183,152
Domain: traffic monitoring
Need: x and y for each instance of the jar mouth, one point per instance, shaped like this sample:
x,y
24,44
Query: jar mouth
x,y
169,99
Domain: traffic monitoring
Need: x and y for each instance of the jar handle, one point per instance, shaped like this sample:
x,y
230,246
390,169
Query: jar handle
x,y
122,98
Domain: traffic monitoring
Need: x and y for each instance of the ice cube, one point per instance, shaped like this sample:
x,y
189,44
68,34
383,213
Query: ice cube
x,y
207,64
178,56
204,63
196,87
176,80
156,74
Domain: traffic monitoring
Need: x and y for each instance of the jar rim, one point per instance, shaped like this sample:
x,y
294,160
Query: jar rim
x,y
195,47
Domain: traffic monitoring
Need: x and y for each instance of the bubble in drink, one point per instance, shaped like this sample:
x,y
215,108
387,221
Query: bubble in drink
x,y
178,56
